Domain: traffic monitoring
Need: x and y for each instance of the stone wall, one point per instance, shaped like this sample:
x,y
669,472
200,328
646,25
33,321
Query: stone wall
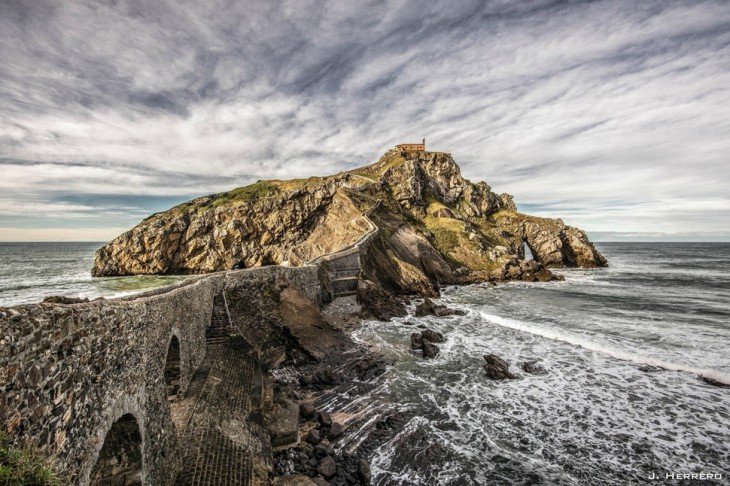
x,y
69,372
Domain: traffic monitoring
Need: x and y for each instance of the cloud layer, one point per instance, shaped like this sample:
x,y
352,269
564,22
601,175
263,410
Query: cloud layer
x,y
610,114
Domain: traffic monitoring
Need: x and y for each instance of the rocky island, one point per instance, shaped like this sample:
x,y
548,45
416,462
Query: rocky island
x,y
246,372
426,226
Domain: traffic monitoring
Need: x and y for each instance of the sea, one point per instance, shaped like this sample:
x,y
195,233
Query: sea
x,y
622,401
623,347
29,272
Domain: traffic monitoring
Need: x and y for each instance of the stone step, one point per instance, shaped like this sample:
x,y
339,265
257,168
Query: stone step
x,y
345,294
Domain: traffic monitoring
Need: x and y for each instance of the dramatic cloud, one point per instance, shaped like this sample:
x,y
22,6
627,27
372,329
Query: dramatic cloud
x,y
610,114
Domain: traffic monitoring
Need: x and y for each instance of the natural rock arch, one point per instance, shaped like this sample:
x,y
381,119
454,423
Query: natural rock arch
x,y
172,368
120,459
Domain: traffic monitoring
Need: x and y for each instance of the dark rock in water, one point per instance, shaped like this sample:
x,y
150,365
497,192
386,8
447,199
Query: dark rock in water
x,y
327,467
324,378
499,459
497,368
363,471
428,308
494,360
325,419
307,410
650,368
533,367
430,350
313,437
62,299
335,430
416,340
366,368
714,382
418,451
432,336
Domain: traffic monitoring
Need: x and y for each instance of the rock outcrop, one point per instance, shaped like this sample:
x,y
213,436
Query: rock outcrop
x,y
433,227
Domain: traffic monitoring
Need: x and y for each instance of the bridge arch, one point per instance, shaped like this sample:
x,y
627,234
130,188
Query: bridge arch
x,y
173,366
120,460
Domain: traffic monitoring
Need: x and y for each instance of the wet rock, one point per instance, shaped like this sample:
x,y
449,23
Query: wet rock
x,y
533,367
714,382
416,340
323,378
313,437
325,419
650,368
430,350
363,471
307,410
428,308
497,368
335,430
284,427
327,467
432,336
323,450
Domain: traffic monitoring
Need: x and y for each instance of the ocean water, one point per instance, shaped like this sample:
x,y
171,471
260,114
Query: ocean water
x,y
31,271
598,416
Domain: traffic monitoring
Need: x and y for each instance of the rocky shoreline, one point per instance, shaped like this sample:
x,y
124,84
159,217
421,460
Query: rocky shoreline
x,y
327,446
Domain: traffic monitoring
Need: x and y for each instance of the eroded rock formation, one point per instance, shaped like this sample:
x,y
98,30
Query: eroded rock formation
x,y
433,227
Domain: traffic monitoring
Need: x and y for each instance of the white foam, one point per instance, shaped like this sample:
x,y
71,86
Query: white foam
x,y
560,335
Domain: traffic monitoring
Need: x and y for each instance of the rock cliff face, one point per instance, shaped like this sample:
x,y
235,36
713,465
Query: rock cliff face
x,y
434,227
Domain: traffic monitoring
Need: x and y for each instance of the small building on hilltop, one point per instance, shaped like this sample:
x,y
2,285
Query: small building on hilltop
x,y
411,147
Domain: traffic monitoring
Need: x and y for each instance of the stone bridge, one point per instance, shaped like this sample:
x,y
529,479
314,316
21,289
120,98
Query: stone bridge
x,y
125,391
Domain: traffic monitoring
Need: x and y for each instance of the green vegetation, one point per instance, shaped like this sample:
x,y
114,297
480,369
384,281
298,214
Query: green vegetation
x,y
243,194
24,467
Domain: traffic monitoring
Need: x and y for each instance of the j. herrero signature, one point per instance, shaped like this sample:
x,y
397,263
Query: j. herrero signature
x,y
677,475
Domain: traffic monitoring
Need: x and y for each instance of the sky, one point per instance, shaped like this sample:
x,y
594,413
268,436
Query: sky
x,y
612,115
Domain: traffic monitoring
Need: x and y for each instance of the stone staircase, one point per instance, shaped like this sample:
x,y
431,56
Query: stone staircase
x,y
220,322
218,419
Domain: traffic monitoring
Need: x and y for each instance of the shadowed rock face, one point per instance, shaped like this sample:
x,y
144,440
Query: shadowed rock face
x,y
434,227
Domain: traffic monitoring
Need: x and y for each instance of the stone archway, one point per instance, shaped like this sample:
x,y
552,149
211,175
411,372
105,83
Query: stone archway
x,y
172,368
120,459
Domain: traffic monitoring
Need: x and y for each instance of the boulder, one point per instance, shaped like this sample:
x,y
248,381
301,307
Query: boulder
x,y
378,303
363,471
293,480
714,382
327,467
321,451
284,427
432,336
336,430
429,308
497,368
325,419
307,410
430,350
416,340
533,367
313,437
